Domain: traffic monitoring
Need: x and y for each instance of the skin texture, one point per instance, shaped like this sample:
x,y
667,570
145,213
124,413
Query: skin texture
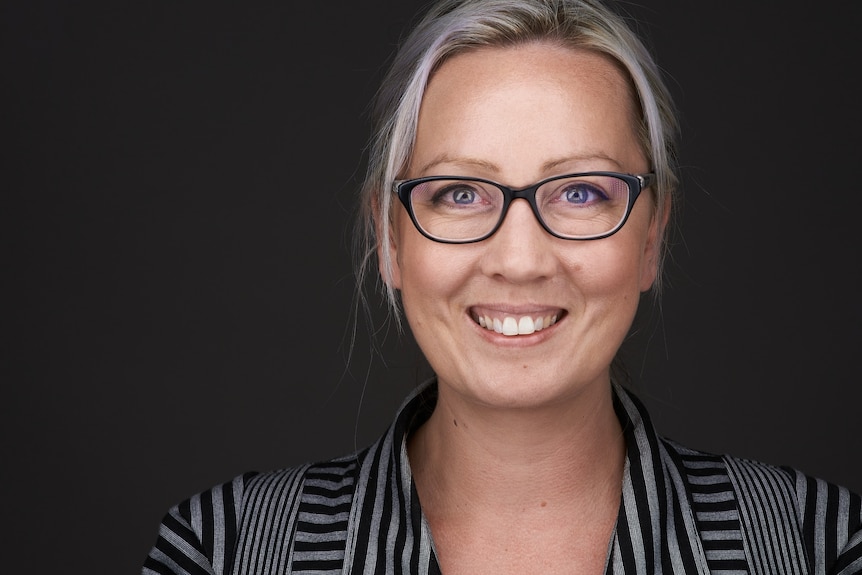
x,y
520,464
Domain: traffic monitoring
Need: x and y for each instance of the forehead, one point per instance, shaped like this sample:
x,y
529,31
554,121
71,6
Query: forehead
x,y
534,103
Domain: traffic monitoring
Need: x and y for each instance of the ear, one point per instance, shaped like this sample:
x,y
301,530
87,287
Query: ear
x,y
387,248
653,247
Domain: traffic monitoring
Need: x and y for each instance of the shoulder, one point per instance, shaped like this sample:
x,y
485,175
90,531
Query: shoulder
x,y
827,516
780,507
761,481
212,530
814,500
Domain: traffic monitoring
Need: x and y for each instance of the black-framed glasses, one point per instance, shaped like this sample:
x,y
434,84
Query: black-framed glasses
x,y
582,206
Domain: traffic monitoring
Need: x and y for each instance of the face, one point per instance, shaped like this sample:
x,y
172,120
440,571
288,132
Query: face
x,y
518,115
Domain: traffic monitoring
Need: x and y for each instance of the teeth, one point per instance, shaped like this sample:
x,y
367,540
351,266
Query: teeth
x,y
524,325
510,326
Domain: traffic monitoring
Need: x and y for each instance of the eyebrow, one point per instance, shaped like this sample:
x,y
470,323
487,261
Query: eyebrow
x,y
590,157
548,166
447,159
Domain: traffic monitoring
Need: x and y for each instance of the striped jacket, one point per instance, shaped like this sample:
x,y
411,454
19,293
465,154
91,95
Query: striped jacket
x,y
682,511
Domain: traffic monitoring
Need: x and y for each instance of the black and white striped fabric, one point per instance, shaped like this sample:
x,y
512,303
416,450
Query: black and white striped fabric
x,y
682,511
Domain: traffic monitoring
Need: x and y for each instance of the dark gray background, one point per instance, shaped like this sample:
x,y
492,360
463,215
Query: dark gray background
x,y
178,178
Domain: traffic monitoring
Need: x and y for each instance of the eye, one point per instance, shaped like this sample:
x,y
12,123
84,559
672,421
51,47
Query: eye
x,y
582,193
455,197
460,194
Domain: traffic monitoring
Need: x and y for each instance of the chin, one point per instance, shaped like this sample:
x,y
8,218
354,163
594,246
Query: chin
x,y
529,391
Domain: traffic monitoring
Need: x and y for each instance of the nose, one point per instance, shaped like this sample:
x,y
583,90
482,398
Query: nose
x,y
520,250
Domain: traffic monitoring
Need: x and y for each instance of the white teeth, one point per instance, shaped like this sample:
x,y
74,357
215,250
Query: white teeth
x,y
510,326
524,325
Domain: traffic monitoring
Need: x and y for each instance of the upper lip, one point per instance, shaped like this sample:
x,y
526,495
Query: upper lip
x,y
515,311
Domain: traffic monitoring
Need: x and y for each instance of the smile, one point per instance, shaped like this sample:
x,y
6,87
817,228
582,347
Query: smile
x,y
511,325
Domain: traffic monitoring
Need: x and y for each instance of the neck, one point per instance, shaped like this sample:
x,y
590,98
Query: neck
x,y
471,458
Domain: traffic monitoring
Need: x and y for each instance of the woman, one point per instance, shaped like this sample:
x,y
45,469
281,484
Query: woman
x,y
518,195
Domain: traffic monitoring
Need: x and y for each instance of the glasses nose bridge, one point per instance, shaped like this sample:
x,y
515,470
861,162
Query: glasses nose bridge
x,y
528,194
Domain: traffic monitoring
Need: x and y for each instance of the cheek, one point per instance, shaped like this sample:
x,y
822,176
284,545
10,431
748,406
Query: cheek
x,y
642,237
606,280
427,267
610,268
432,281
425,271
612,295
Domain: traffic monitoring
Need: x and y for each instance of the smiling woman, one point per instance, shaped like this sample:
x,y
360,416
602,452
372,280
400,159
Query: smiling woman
x,y
525,451
572,111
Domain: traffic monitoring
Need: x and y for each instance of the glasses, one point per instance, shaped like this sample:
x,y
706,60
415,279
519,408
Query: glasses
x,y
460,210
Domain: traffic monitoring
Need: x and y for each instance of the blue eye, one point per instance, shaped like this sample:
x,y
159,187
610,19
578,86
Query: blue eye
x,y
463,196
449,193
583,193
